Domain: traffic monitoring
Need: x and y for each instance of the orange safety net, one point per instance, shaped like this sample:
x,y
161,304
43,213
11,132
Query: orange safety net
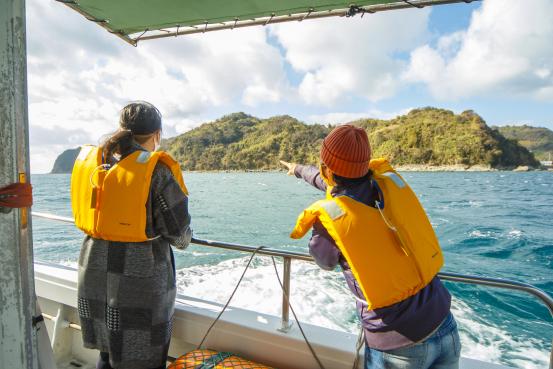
x,y
207,359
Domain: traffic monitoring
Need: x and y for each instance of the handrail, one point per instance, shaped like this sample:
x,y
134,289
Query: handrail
x,y
291,255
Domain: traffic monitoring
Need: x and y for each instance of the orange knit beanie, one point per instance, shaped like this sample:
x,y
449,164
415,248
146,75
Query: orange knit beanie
x,y
346,151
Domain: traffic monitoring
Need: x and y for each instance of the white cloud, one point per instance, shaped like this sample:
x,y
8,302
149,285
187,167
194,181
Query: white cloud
x,y
506,51
351,56
80,76
345,117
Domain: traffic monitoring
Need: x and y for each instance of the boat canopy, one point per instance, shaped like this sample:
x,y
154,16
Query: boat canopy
x,y
134,21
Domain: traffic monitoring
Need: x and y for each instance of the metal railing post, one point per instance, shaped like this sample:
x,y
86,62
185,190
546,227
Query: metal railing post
x,y
285,317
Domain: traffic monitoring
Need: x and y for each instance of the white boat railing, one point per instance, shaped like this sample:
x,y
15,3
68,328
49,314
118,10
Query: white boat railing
x,y
288,256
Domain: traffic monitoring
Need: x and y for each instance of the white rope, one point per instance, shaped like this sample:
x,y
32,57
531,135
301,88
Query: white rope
x,y
230,298
360,342
377,203
296,317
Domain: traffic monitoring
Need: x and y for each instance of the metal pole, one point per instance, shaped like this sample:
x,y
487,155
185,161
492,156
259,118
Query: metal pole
x,y
285,320
271,19
18,343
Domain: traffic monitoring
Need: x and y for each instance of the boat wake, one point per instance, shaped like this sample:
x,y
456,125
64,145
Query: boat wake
x,y
322,298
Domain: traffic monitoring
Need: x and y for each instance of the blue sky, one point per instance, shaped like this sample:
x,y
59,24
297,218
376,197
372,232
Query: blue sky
x,y
493,56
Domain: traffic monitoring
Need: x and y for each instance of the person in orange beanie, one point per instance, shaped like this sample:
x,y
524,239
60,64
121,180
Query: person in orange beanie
x,y
372,226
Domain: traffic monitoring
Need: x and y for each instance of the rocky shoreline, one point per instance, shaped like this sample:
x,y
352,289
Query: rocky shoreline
x,y
444,168
462,168
400,168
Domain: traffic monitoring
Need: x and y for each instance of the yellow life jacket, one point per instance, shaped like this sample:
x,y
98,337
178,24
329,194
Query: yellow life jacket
x,y
392,249
110,202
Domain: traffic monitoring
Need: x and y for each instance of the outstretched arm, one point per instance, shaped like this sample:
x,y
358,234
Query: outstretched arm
x,y
308,173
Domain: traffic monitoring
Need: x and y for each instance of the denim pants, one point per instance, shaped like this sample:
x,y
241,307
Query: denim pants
x,y
439,351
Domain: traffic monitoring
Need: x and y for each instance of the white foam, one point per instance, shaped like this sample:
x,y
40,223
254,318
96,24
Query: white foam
x,y
318,297
488,343
515,233
69,263
480,234
322,298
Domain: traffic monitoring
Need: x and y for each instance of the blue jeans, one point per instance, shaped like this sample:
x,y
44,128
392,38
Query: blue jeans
x,y
439,351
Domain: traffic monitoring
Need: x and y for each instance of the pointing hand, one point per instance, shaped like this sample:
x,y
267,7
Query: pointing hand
x,y
290,166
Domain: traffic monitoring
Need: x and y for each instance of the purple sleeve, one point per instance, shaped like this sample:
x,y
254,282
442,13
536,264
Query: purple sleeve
x,y
311,175
323,248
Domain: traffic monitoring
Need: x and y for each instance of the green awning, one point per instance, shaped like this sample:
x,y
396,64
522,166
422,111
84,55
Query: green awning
x,y
135,20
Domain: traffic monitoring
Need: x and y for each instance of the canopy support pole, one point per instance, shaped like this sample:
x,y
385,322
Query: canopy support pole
x,y
18,342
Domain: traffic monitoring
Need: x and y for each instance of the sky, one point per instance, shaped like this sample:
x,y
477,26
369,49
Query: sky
x,y
492,56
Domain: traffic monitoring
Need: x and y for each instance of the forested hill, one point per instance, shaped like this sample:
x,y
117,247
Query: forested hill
x,y
440,137
240,141
536,139
423,136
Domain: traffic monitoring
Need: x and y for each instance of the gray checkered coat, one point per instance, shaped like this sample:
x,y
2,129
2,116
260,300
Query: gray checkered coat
x,y
126,291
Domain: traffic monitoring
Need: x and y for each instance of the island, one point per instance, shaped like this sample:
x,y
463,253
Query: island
x,y
423,139
64,162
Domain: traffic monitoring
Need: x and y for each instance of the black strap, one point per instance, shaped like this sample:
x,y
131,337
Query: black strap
x,y
37,319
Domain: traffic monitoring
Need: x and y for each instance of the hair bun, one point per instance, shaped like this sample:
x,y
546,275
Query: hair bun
x,y
140,117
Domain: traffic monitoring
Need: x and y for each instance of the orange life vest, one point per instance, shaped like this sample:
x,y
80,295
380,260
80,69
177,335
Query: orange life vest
x,y
392,249
110,202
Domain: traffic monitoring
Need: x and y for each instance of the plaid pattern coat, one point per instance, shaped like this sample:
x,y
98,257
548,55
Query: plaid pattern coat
x,y
126,290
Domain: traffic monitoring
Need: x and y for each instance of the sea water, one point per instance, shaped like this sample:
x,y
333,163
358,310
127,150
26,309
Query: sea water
x,y
492,224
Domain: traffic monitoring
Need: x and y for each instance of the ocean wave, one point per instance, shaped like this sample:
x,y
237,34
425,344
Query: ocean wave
x,y
485,342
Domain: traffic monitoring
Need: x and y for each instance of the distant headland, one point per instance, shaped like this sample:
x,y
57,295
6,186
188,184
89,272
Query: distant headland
x,y
64,162
425,139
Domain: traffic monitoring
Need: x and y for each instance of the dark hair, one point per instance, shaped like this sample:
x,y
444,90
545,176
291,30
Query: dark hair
x,y
349,182
137,122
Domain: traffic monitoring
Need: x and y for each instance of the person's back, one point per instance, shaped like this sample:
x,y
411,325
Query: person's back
x,y
127,286
407,324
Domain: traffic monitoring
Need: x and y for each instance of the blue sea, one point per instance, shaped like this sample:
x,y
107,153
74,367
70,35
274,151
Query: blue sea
x,y
493,224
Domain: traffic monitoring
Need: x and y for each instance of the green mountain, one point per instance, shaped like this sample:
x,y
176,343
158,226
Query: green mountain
x,y
440,137
423,136
536,139
427,136
64,162
240,141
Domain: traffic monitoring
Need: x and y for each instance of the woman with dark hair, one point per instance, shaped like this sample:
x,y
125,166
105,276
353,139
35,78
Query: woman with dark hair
x,y
131,202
